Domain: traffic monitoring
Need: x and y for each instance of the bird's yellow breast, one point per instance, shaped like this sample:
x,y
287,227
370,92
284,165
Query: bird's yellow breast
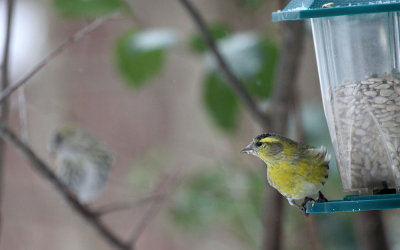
x,y
297,180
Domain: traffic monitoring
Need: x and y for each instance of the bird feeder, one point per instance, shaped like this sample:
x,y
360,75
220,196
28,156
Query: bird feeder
x,y
357,46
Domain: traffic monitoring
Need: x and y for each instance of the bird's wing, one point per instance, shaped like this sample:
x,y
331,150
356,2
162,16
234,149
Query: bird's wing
x,y
101,156
312,166
319,153
70,171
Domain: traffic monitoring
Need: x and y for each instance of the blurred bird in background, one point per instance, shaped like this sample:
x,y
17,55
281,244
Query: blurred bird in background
x,y
296,170
82,162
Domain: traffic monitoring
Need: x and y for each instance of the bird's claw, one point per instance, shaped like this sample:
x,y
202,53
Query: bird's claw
x,y
306,199
303,205
321,197
304,210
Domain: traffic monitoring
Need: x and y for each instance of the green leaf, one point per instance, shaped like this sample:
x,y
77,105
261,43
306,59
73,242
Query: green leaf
x,y
217,30
140,55
202,199
87,8
147,167
220,196
252,59
261,84
221,102
242,52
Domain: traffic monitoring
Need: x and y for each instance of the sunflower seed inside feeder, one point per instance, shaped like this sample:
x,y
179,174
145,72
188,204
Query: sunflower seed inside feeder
x,y
367,118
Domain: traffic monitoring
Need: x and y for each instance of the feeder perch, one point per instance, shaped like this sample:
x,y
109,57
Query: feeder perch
x,y
357,46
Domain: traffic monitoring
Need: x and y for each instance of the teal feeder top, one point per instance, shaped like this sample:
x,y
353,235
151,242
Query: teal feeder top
x,y
304,9
357,45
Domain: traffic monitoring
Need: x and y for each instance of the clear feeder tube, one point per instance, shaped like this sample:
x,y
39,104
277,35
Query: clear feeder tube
x,y
358,64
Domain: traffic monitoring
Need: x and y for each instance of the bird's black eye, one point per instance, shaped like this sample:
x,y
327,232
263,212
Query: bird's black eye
x,y
58,139
258,144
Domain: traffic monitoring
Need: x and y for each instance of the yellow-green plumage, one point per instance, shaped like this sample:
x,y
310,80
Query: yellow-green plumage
x,y
296,170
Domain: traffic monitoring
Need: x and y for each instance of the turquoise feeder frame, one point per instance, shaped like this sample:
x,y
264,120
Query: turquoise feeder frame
x,y
305,9
328,43
356,203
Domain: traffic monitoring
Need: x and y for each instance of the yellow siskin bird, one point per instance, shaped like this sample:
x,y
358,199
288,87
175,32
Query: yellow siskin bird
x,y
296,170
82,163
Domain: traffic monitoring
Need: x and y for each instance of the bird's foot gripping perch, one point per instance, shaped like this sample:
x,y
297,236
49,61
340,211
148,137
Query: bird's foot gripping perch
x,y
302,207
321,197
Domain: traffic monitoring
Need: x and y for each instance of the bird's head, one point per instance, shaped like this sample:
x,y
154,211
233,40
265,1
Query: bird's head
x,y
268,147
62,136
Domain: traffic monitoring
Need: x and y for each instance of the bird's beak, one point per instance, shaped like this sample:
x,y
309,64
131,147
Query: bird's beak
x,y
249,149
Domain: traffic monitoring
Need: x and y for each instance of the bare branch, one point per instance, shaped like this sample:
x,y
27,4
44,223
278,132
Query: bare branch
x,y
113,208
145,220
284,92
166,183
232,80
5,81
132,14
23,116
86,213
371,231
272,219
286,72
72,39
312,231
285,77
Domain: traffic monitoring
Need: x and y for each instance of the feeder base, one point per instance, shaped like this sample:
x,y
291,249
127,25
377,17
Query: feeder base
x,y
355,203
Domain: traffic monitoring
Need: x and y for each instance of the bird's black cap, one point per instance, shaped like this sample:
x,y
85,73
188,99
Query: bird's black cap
x,y
262,136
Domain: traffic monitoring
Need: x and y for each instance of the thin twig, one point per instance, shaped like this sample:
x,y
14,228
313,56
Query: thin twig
x,y
132,14
284,79
23,116
113,208
232,79
86,213
72,39
155,207
5,82
297,117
